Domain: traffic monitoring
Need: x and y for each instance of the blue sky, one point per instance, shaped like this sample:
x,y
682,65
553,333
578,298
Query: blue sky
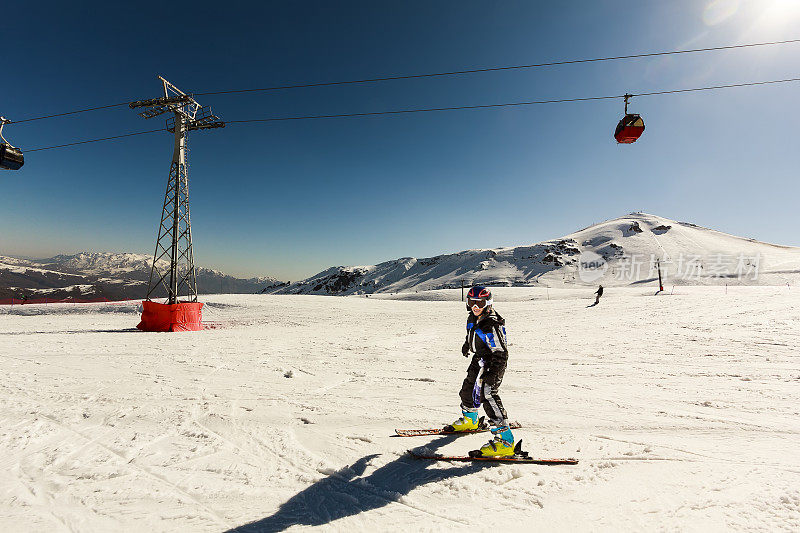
x,y
289,199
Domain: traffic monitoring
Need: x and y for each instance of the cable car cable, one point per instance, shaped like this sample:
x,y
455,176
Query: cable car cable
x,y
421,110
512,67
343,115
712,87
454,108
68,113
510,104
96,140
431,75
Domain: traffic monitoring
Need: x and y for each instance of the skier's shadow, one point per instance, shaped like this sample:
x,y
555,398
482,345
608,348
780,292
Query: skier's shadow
x,y
345,493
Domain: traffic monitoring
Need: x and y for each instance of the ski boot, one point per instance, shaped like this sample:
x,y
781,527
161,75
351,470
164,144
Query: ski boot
x,y
468,422
502,445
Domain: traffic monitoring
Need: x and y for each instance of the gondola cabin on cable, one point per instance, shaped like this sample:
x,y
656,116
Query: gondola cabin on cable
x,y
630,128
10,158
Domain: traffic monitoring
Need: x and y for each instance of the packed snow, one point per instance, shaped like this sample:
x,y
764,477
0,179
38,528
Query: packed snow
x,y
683,409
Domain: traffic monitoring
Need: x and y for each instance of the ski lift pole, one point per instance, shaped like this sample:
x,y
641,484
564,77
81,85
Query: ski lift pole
x,y
174,241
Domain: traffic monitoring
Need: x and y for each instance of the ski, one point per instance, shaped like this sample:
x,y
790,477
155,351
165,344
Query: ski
x,y
507,459
447,430
518,457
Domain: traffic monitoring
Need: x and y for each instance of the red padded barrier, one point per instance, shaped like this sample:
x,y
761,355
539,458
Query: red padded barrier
x,y
183,316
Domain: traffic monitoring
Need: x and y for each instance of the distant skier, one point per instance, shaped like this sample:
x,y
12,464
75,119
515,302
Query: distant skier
x,y
599,293
486,341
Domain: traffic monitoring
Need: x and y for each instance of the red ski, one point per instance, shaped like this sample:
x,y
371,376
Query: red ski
x,y
448,430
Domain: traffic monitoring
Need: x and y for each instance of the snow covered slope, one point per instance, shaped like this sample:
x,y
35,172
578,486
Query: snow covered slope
x,y
682,409
628,247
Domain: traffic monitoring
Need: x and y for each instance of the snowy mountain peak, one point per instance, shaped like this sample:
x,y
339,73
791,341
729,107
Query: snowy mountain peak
x,y
111,275
101,262
626,250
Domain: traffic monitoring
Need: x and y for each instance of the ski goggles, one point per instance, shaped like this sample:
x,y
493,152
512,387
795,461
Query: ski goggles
x,y
480,303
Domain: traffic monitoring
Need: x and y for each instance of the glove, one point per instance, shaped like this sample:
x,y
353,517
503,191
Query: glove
x,y
465,349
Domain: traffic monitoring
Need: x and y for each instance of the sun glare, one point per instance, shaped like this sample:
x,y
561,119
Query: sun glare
x,y
783,7
718,11
779,14
763,14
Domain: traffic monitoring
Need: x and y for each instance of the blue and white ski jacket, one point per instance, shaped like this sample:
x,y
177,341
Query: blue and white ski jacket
x,y
486,336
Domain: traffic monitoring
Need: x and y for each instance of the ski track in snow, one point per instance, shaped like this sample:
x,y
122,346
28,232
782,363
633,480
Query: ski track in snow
x,y
684,411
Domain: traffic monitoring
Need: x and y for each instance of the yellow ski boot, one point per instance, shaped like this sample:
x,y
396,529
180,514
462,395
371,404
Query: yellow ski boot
x,y
502,445
468,422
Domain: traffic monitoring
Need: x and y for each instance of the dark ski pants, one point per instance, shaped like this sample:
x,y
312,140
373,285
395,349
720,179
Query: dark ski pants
x,y
487,391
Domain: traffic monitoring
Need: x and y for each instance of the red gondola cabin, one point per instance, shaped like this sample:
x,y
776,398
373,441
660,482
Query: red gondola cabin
x,y
629,129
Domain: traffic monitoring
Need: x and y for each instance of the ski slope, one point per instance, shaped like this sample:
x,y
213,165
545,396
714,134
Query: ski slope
x,y
683,408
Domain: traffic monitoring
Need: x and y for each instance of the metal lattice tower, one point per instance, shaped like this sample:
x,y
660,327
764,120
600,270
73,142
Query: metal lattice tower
x,y
175,230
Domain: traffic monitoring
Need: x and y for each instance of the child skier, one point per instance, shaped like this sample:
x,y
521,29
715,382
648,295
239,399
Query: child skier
x,y
486,341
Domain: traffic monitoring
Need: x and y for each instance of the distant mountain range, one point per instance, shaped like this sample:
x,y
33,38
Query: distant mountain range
x,y
113,276
623,251
628,250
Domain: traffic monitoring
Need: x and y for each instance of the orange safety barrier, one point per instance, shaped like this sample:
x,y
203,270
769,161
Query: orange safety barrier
x,y
182,316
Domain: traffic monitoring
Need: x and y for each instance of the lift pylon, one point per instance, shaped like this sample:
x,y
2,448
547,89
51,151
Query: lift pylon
x,y
174,241
175,231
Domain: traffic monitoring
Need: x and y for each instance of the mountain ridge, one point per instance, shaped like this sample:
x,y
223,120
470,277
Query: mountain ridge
x,y
115,276
697,254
